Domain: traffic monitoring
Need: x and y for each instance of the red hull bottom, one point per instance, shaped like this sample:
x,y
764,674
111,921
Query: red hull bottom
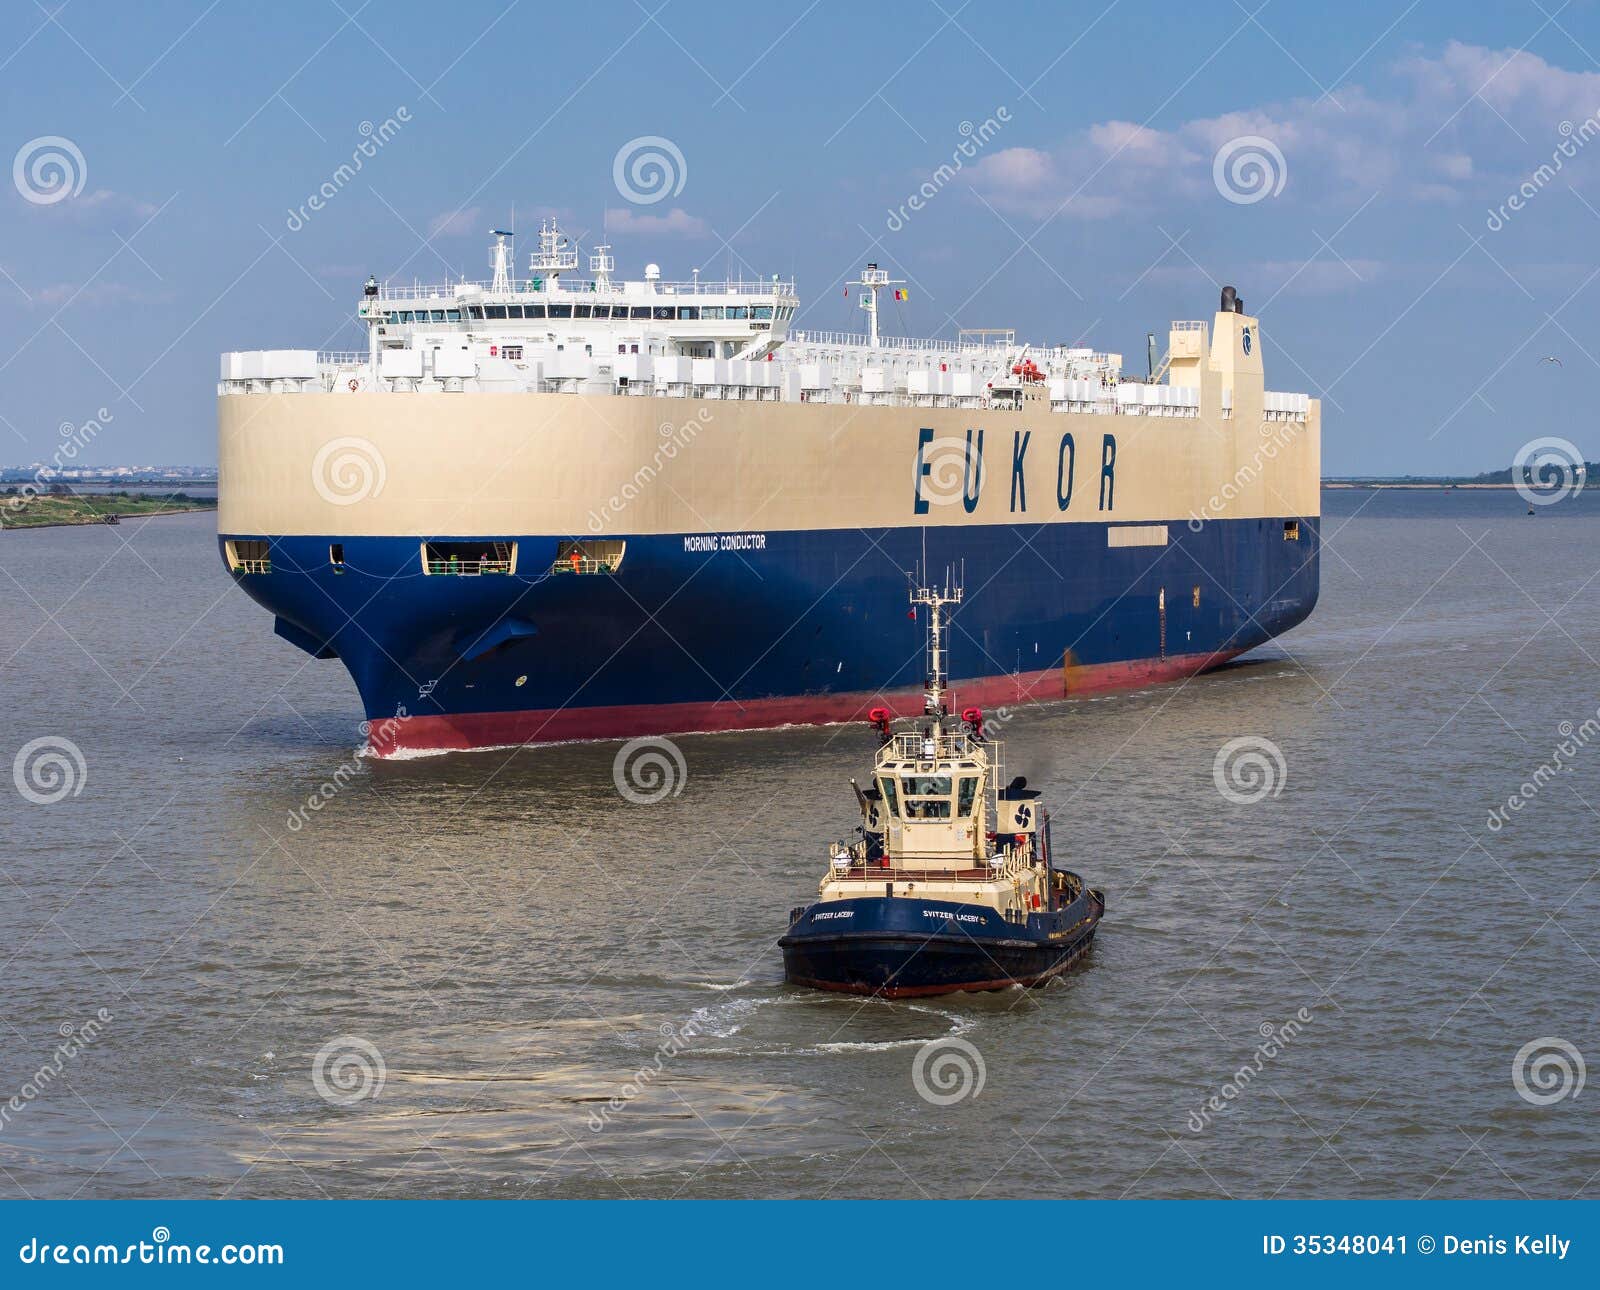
x,y
468,730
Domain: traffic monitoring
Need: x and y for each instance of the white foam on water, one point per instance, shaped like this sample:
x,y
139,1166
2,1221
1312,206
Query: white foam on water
x,y
724,1020
959,1025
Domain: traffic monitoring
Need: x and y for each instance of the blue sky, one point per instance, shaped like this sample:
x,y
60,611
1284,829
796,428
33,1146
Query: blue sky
x,y
1393,279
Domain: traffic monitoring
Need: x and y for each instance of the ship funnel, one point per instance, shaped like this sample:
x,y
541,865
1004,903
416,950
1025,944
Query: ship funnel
x,y
1238,304
1230,301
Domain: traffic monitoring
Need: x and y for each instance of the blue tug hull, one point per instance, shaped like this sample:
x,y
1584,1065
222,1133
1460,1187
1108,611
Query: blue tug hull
x,y
902,947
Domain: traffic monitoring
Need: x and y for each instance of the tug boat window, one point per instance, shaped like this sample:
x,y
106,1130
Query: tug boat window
x,y
927,797
966,795
890,796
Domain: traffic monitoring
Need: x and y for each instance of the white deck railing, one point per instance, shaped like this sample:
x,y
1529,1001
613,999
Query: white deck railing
x,y
563,286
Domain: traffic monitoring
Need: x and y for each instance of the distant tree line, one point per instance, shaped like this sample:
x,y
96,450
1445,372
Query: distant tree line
x,y
1529,475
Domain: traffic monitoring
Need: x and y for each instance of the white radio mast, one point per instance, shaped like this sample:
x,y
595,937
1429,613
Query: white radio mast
x,y
872,277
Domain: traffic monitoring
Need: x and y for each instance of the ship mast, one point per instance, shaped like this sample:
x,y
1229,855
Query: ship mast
x,y
936,599
602,264
500,259
872,278
552,258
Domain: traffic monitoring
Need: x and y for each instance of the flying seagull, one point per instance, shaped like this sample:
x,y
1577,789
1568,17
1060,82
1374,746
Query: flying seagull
x,y
1551,358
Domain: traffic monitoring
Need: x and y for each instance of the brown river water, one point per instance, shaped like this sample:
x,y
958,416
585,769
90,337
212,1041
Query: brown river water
x,y
490,974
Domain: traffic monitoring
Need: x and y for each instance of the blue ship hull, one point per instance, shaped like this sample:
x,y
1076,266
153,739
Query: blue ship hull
x,y
804,626
903,947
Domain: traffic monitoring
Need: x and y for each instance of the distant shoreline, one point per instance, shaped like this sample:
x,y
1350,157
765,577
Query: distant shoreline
x,y
89,510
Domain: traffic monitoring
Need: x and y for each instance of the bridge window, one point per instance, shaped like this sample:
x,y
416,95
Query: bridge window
x,y
761,311
452,315
469,559
475,311
664,313
582,311
689,312
638,311
588,555
738,311
561,311
495,312
886,784
249,555
711,312
602,311
966,795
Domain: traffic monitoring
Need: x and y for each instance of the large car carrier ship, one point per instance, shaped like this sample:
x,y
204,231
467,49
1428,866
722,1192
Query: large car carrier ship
x,y
537,508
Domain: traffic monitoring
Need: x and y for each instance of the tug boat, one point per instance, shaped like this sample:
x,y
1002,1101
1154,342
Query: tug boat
x,y
950,884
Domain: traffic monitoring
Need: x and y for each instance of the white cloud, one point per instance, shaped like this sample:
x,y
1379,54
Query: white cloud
x,y
455,223
1438,129
99,292
676,222
99,208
